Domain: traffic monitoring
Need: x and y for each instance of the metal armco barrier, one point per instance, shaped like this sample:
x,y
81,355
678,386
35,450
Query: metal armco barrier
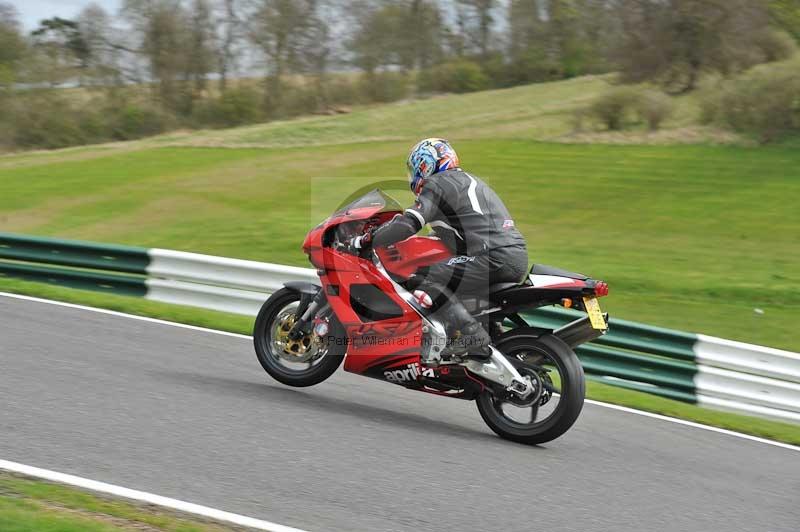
x,y
75,264
700,369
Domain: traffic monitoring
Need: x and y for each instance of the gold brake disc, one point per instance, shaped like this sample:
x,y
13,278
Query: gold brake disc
x,y
295,350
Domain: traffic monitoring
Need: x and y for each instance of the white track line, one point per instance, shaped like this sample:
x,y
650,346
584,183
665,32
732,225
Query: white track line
x,y
124,315
166,502
695,425
249,338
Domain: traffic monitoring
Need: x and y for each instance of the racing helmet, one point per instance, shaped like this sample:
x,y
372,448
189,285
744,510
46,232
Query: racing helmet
x,y
429,157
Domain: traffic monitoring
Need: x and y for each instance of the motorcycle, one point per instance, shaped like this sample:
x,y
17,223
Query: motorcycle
x,y
531,388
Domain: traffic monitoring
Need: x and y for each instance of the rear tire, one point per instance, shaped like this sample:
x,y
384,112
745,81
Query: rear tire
x,y
571,392
277,306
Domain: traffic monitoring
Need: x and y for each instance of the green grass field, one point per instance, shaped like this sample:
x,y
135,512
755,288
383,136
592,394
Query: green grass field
x,y
690,237
28,505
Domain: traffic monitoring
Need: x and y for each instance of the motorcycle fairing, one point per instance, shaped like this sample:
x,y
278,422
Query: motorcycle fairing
x,y
382,320
406,257
376,336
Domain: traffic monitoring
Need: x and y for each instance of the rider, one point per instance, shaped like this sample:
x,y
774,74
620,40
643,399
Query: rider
x,y
472,220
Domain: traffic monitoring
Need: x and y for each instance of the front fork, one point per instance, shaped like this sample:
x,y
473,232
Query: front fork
x,y
310,306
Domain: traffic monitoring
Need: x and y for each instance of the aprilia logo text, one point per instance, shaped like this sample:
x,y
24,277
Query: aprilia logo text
x,y
410,373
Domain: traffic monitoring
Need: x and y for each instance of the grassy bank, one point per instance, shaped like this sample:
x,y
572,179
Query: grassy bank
x,y
28,505
699,238
784,432
542,111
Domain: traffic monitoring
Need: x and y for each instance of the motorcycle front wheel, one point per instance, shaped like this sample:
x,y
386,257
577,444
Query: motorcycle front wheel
x,y
558,377
300,362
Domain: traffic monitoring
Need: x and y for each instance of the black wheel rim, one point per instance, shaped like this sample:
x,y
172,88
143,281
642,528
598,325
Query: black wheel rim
x,y
550,379
292,357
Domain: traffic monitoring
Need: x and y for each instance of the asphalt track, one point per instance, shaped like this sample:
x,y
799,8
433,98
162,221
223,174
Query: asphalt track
x,y
190,415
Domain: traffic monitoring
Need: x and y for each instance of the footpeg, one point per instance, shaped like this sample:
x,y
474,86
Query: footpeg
x,y
431,363
434,341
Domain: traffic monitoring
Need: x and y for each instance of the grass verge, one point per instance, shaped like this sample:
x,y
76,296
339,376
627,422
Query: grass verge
x,y
679,232
784,432
765,428
28,505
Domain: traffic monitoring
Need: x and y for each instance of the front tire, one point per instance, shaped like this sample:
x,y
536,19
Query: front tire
x,y
304,362
537,358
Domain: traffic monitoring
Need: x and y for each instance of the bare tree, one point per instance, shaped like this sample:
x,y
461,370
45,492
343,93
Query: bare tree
x,y
228,26
104,57
673,42
285,32
12,45
377,40
579,33
160,29
199,49
114,54
404,34
524,25
480,17
529,56
426,37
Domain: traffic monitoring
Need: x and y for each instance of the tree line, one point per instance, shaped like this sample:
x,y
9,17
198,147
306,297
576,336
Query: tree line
x,y
157,64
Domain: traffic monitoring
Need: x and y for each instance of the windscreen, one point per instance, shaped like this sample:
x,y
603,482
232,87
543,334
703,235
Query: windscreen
x,y
372,199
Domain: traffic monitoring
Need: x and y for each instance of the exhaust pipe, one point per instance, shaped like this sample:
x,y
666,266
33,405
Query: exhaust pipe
x,y
579,332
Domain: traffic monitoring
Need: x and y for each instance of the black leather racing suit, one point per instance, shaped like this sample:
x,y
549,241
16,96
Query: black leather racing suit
x,y
475,224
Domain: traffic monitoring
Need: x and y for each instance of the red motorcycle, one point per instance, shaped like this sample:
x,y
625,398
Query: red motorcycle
x,y
530,390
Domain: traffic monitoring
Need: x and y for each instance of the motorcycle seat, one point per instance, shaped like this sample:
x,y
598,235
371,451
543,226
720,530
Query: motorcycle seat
x,y
544,269
499,287
476,303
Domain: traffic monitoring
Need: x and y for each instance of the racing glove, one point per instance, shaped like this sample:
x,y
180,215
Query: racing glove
x,y
361,243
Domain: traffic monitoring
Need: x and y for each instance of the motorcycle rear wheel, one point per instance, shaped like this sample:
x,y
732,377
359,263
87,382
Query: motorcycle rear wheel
x,y
539,358
300,363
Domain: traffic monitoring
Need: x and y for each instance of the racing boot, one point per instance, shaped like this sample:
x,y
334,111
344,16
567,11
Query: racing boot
x,y
471,340
466,337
